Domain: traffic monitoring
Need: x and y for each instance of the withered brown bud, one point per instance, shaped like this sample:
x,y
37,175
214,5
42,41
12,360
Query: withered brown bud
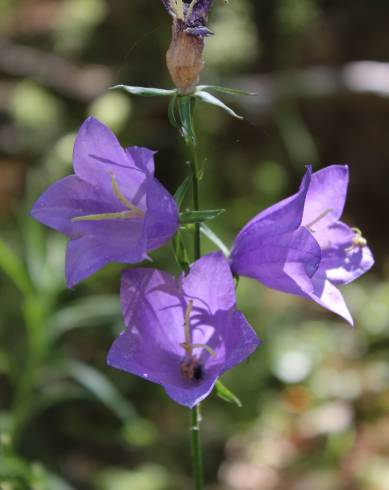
x,y
184,58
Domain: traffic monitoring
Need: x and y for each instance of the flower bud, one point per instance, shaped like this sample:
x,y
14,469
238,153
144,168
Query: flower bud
x,y
184,58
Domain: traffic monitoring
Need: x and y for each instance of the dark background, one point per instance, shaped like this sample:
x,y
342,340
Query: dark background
x,y
315,395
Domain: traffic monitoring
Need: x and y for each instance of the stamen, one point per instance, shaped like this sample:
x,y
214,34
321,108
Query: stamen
x,y
206,347
358,241
190,8
178,8
187,344
319,218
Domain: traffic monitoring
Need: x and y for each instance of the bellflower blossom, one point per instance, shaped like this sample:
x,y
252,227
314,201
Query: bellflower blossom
x,y
184,56
299,246
112,209
182,333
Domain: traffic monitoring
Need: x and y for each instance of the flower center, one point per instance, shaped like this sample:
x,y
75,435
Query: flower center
x,y
132,211
316,220
358,241
190,366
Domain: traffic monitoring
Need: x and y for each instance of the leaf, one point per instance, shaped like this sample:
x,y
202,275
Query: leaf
x,y
184,106
192,217
226,394
180,252
171,112
90,311
146,91
101,387
14,268
212,100
182,190
54,482
224,90
205,230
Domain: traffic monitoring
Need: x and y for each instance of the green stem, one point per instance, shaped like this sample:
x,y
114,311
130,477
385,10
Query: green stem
x,y
196,448
185,108
196,203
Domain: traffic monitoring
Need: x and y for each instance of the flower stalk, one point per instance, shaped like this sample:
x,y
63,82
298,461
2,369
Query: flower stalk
x,y
185,105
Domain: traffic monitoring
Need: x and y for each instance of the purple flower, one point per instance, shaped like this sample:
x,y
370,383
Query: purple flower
x,y
193,14
298,245
112,209
345,254
184,332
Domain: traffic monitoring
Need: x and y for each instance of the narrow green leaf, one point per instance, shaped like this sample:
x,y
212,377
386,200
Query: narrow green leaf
x,y
171,112
101,387
224,90
180,252
182,190
211,99
90,311
192,217
56,483
226,394
184,106
14,268
205,230
145,91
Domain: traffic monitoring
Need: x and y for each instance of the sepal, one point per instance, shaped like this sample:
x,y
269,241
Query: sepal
x,y
193,217
146,91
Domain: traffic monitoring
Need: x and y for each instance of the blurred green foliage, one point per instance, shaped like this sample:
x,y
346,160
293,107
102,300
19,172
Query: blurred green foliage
x,y
316,394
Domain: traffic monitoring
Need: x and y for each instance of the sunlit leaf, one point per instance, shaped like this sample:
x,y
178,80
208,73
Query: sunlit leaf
x,y
226,394
191,217
14,268
184,106
224,90
90,311
211,99
180,252
101,387
146,91
205,230
182,190
172,111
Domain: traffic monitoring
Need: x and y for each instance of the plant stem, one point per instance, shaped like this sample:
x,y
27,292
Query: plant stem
x,y
196,448
186,106
196,202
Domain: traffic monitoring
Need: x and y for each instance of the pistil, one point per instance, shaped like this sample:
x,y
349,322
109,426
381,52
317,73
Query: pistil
x,y
132,211
187,344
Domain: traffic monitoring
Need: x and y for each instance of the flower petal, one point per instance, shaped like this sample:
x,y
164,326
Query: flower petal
x,y
138,353
341,261
235,341
142,157
327,194
285,262
210,283
110,241
69,198
283,216
152,302
327,295
162,218
98,156
190,396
